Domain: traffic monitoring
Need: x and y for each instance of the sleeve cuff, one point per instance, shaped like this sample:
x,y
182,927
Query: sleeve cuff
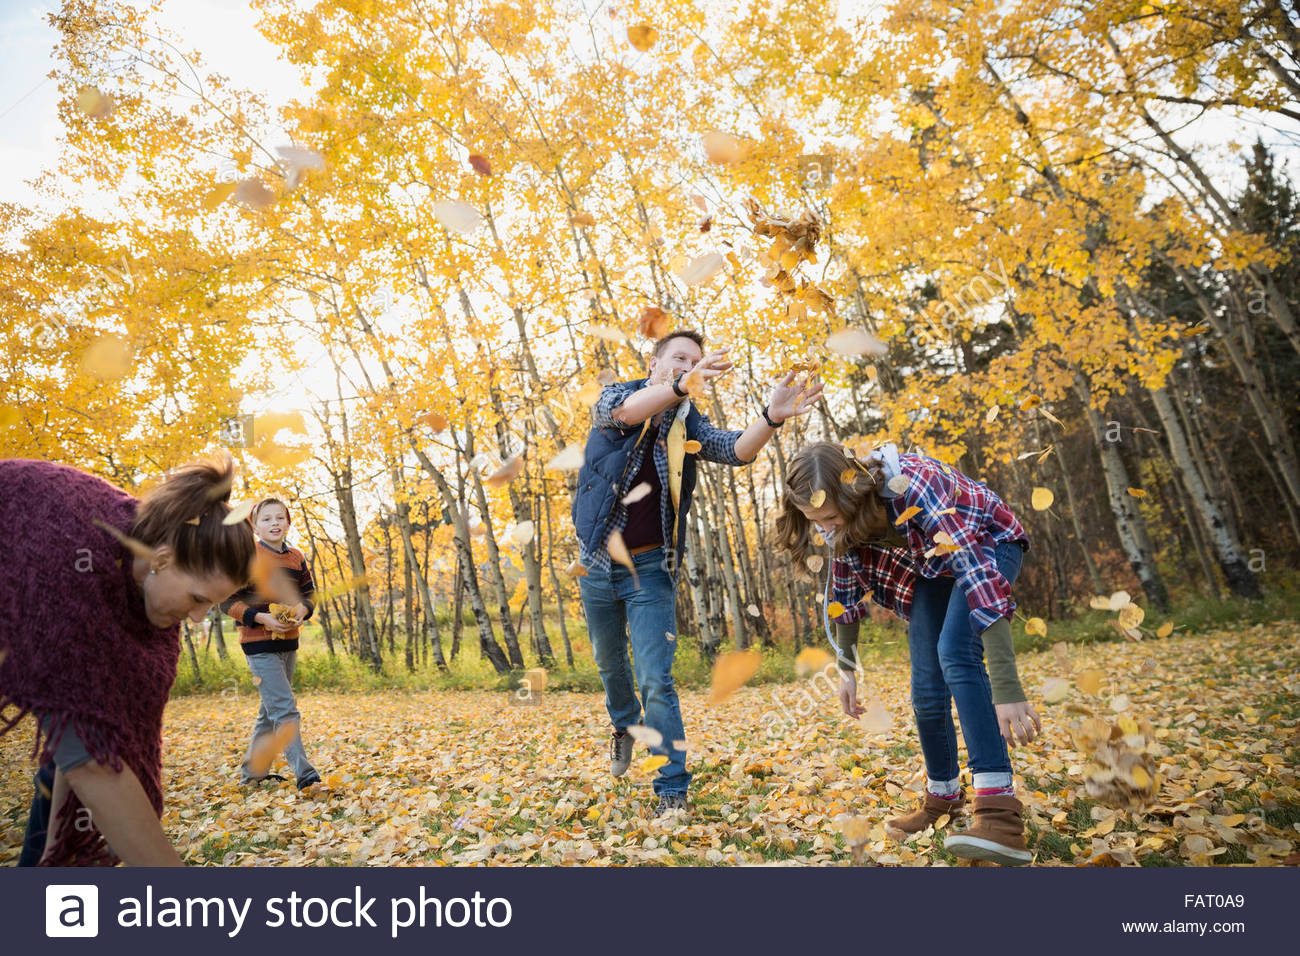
x,y
250,617
846,635
999,649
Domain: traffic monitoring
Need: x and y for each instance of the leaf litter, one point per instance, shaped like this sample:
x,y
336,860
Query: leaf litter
x,y
1205,755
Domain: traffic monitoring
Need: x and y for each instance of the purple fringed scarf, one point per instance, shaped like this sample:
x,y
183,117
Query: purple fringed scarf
x,y
78,650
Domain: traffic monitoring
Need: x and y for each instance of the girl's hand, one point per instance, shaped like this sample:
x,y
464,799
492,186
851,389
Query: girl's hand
x,y
300,612
849,695
1018,722
271,623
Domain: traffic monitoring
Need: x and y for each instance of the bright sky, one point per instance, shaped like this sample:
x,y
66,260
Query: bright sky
x,y
224,30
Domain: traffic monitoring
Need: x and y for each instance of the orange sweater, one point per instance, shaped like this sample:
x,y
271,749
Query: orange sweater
x,y
246,604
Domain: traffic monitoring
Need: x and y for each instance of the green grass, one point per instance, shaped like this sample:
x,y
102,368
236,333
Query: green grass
x,y
318,670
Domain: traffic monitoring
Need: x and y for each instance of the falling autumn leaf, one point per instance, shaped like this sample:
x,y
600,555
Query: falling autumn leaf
x,y
576,569
642,36
835,609
1165,629
296,160
654,322
457,216
818,498
1089,681
480,164
731,671
702,268
1055,690
814,562
637,493
1042,499
435,421
1037,626
93,103
646,735
1119,600
851,342
253,194
107,358
876,719
691,446
1137,492
1131,615
570,459
723,148
619,553
582,219
991,415
507,473
811,660
910,512
240,512
268,746
522,533
608,333
651,764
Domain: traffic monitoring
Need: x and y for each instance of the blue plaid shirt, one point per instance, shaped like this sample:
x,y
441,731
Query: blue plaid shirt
x,y
715,445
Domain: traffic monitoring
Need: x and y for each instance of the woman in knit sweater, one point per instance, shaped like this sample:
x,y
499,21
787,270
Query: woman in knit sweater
x,y
96,586
941,551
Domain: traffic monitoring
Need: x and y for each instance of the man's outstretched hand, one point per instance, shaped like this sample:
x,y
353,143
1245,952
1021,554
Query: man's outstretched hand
x,y
791,398
708,368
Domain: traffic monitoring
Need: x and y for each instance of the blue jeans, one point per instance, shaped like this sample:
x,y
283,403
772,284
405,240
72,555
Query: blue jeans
x,y
615,607
947,665
278,706
38,820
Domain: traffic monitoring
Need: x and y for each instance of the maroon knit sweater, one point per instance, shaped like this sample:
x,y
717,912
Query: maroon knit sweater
x,y
77,647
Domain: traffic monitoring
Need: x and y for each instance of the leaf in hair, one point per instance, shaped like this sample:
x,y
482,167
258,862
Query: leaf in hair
x,y
221,490
136,547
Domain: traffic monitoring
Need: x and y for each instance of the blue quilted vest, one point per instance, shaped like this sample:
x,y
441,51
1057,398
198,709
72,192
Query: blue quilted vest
x,y
604,472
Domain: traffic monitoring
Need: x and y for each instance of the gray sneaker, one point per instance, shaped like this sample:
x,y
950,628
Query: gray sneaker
x,y
620,753
670,802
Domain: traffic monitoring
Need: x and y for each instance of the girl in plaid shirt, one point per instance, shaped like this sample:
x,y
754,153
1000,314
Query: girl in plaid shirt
x,y
941,551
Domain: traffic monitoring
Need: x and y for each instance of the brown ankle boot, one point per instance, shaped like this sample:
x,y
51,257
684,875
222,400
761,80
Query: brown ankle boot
x,y
996,833
931,809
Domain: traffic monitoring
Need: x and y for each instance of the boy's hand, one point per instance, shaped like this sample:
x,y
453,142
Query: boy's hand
x,y
300,613
849,695
271,623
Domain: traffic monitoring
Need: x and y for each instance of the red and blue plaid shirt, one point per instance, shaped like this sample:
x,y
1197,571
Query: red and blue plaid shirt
x,y
972,515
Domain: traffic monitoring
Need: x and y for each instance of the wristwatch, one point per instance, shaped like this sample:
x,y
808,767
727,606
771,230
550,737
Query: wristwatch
x,y
768,418
677,388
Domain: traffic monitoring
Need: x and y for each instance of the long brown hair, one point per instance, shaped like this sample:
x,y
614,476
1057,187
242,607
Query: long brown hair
x,y
186,511
825,466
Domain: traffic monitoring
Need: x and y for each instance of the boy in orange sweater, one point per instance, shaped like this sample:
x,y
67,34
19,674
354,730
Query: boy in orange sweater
x,y
270,641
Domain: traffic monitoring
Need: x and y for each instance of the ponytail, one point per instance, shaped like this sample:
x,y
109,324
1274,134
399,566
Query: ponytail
x,y
187,511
